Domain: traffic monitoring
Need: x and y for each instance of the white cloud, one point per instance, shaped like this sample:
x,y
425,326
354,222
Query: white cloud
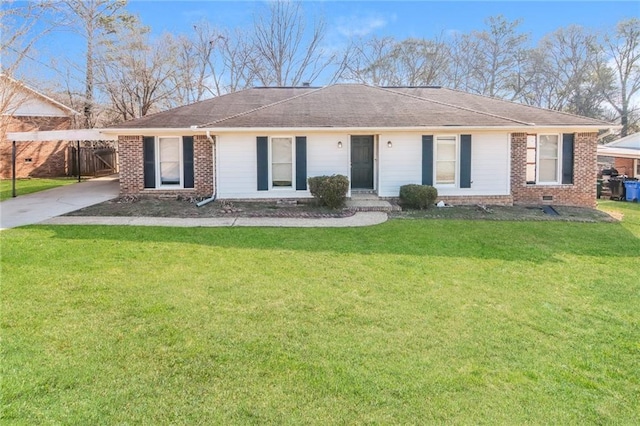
x,y
360,26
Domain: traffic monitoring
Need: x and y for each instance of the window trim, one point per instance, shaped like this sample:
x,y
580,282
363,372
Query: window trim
x,y
558,180
456,173
293,163
159,184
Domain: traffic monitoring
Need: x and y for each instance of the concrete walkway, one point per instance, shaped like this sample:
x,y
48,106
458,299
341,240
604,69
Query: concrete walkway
x,y
39,206
47,207
358,219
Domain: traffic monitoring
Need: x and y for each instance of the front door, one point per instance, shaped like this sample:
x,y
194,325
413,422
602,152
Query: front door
x,y
362,162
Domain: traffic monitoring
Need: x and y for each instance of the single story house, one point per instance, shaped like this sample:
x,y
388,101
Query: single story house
x,y
24,109
264,143
625,153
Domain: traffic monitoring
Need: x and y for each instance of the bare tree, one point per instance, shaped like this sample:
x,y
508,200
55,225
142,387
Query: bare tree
x,y
228,57
285,53
419,62
618,70
487,62
561,73
93,20
137,76
368,61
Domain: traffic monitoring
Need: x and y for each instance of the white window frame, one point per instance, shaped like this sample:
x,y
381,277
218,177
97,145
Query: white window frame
x,y
293,163
159,184
456,177
558,180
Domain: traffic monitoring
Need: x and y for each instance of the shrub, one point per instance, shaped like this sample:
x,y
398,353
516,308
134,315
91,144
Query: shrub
x,y
418,196
330,191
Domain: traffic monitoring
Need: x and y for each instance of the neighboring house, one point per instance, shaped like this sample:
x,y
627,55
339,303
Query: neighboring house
x,y
625,153
263,143
25,109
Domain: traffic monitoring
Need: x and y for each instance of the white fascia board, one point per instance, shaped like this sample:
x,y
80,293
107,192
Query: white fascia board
x,y
618,152
57,135
350,130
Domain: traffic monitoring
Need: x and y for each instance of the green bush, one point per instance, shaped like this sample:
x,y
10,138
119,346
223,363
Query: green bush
x,y
330,191
418,196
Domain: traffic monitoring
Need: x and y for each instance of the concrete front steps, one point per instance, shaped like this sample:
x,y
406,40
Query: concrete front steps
x,y
369,202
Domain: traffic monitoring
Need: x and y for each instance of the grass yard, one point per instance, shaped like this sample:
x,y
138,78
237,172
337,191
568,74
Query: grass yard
x,y
409,322
28,186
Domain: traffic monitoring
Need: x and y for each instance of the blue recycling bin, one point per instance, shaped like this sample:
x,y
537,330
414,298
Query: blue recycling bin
x,y
633,189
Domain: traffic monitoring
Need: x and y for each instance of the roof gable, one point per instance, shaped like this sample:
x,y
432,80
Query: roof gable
x,y
26,101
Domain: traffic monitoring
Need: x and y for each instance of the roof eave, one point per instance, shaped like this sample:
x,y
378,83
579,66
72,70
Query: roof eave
x,y
374,129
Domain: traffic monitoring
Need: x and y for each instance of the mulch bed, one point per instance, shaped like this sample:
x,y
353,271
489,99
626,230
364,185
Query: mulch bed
x,y
181,207
178,207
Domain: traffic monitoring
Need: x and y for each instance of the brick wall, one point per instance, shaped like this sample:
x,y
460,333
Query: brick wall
x,y
581,193
624,166
203,165
131,165
36,159
132,169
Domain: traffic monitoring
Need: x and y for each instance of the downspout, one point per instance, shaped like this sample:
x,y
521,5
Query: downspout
x,y
213,162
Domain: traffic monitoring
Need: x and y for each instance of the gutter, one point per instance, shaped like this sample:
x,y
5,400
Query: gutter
x,y
351,130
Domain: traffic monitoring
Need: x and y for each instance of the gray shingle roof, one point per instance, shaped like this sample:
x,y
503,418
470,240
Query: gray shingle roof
x,y
355,105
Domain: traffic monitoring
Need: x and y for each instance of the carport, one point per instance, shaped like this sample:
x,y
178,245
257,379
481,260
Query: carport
x,y
77,135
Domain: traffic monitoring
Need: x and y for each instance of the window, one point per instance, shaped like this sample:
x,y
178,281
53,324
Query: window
x,y
169,161
282,162
548,158
544,159
446,155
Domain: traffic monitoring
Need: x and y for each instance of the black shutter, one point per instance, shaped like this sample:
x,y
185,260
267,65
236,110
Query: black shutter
x,y
301,163
567,158
465,161
262,151
187,161
427,159
149,160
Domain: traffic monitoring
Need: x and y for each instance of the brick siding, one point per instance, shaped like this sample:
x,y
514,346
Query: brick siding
x,y
132,169
624,166
581,193
35,159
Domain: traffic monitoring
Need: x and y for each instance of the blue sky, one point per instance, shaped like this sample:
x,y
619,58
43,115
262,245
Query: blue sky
x,y
348,19
395,18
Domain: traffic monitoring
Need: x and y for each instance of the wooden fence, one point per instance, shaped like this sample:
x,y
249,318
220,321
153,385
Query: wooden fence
x,y
93,161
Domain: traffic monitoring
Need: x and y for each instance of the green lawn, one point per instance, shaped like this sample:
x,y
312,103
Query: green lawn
x,y
28,186
410,322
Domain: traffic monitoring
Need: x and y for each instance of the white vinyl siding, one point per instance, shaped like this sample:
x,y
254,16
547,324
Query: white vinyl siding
x,y
402,164
399,165
236,165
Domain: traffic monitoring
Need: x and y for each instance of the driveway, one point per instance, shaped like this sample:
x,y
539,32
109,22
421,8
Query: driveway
x,y
34,208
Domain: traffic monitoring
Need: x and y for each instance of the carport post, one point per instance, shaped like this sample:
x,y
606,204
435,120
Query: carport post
x,y
78,157
13,169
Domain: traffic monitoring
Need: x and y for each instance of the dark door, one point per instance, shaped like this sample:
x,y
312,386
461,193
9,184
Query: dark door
x,y
362,162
